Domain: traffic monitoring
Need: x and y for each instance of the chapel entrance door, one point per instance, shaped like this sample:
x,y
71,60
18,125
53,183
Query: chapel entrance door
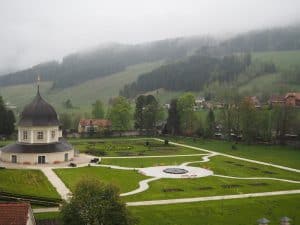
x,y
14,159
66,157
41,159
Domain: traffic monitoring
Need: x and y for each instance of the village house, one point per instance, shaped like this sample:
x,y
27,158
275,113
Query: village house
x,y
276,100
255,101
292,99
93,126
17,213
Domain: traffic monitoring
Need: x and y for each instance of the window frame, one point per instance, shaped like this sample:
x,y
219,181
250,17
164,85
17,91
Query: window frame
x,y
40,135
53,134
24,135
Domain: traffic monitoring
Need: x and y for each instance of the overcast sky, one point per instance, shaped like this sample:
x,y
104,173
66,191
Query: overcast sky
x,y
33,31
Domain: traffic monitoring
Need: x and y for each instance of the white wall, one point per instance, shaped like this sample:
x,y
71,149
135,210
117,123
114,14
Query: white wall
x,y
32,158
33,131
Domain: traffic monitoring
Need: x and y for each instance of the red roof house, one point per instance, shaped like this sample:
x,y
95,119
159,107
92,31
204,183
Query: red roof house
x,y
16,213
292,99
86,125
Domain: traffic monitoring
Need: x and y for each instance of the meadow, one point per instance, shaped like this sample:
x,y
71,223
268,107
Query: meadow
x,y
120,178
26,182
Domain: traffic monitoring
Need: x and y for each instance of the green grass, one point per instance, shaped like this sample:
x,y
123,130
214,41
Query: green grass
x,y
48,215
218,164
207,186
82,95
282,59
26,182
125,180
281,155
237,211
117,147
232,167
148,162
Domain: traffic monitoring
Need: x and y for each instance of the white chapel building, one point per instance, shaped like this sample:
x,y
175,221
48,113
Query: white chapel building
x,y
39,137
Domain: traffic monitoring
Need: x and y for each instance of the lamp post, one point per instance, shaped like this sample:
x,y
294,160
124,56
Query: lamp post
x,y
285,221
263,221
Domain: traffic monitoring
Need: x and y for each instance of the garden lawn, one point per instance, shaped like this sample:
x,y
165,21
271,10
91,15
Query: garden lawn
x,y
232,167
281,155
124,179
127,147
148,162
26,182
236,211
207,186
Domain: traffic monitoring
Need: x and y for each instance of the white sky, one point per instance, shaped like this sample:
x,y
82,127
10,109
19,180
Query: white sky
x,y
33,31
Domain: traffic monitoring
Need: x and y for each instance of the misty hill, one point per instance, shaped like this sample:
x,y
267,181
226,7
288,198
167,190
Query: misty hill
x,y
80,67
276,39
220,63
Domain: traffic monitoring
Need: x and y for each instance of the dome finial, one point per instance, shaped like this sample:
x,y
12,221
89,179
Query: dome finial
x,y
38,84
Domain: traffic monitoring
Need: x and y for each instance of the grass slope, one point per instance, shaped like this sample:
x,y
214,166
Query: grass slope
x,y
237,211
120,178
82,95
207,186
282,59
26,182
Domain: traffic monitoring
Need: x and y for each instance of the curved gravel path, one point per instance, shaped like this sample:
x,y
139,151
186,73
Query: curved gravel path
x,y
204,159
143,186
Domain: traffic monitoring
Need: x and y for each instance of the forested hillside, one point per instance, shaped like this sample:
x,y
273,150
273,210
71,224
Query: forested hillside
x,y
224,63
77,68
276,39
196,72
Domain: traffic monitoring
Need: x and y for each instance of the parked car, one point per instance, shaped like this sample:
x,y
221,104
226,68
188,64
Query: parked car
x,y
94,160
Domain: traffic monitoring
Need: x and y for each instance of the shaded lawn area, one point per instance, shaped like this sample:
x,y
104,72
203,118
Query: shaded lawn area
x,y
26,182
232,167
124,179
207,186
48,215
148,162
129,147
281,155
236,211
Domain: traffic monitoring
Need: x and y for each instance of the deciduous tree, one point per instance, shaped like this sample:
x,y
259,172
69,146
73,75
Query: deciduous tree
x,y
95,203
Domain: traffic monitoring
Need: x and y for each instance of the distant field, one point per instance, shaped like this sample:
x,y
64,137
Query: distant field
x,y
82,95
273,83
283,59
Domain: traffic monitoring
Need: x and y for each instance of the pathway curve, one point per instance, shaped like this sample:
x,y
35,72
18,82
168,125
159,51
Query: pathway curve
x,y
61,188
143,186
211,198
234,157
204,159
258,178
